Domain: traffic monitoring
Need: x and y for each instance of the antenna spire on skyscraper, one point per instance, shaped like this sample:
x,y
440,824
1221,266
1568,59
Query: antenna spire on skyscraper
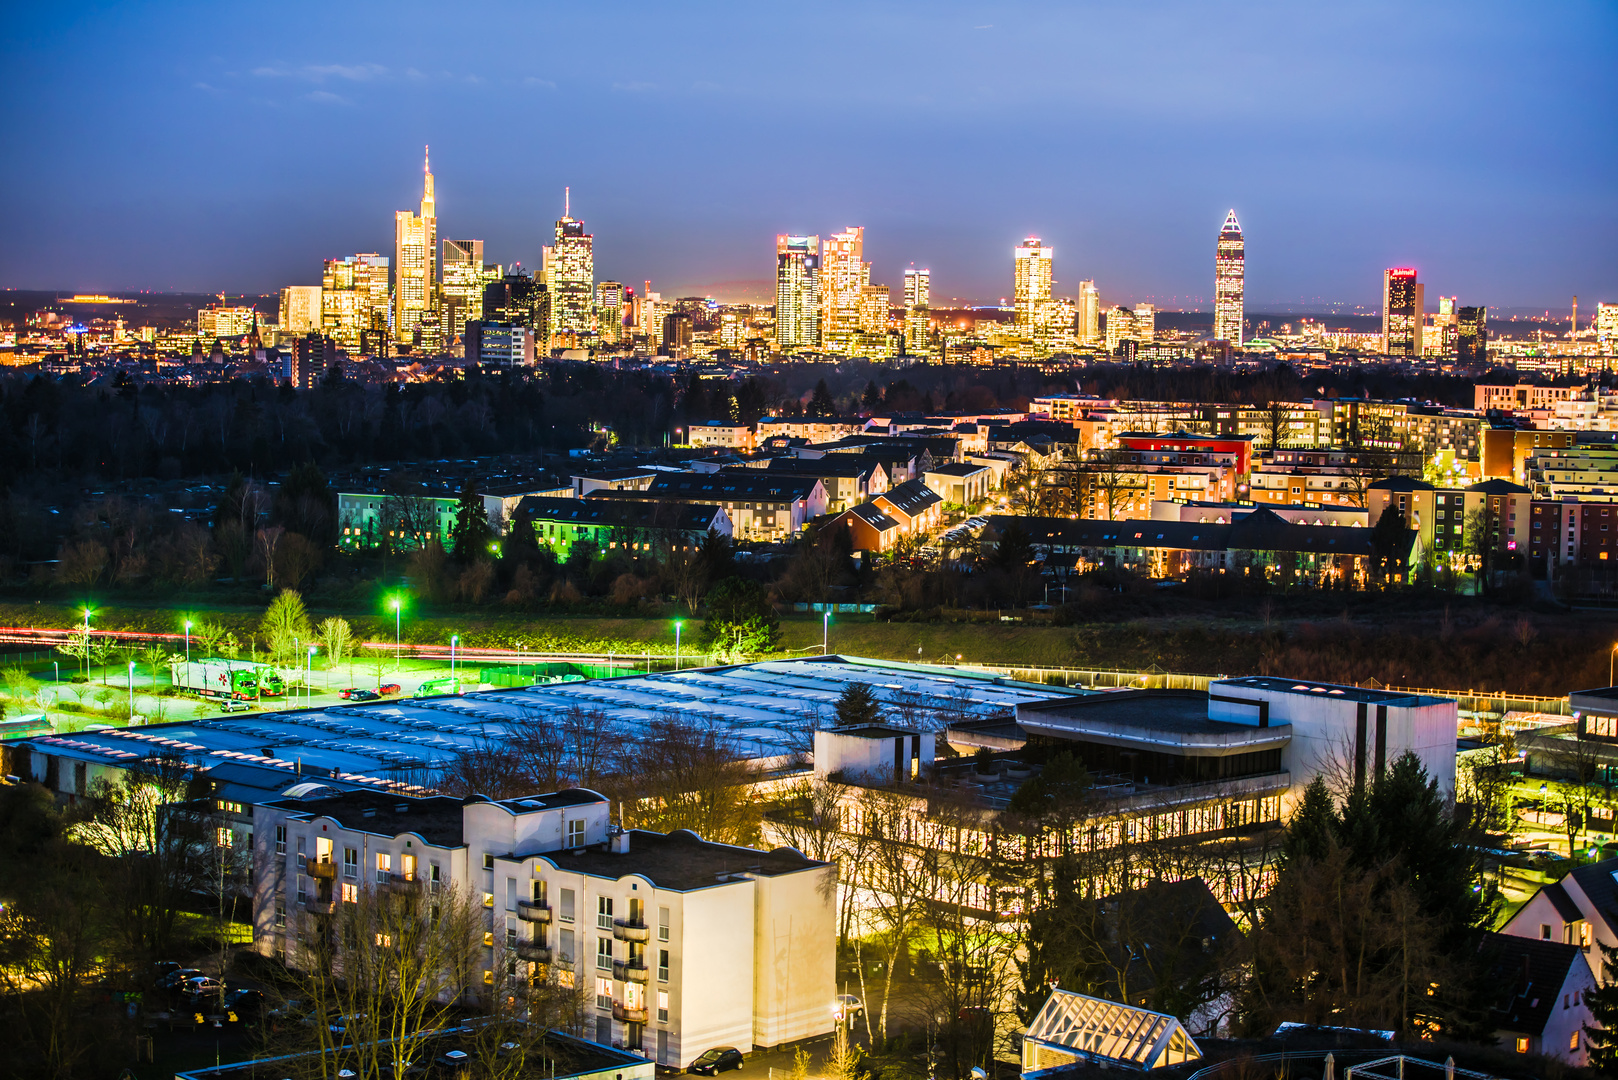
x,y
567,202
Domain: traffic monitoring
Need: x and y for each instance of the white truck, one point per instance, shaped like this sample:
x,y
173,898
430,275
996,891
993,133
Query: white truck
x,y
233,680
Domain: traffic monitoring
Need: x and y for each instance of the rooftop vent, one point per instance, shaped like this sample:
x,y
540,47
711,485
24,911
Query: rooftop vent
x,y
369,811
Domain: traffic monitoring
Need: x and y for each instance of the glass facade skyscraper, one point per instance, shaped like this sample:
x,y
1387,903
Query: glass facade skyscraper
x,y
797,292
1401,312
415,253
1230,275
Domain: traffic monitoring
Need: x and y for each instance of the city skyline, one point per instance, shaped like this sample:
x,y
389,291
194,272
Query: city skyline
x,y
1333,183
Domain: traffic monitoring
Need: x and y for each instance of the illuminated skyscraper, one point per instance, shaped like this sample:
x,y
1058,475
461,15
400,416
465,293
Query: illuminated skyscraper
x,y
1230,270
465,277
415,254
1089,314
1401,312
918,288
797,292
843,274
1472,335
1031,285
300,310
610,311
354,302
1607,326
570,273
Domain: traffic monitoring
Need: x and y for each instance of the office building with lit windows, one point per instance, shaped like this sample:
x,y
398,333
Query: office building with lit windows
x,y
1230,270
1031,286
354,302
1472,335
1401,312
610,311
569,274
679,944
461,294
1607,325
300,310
797,292
918,288
415,255
1089,314
843,274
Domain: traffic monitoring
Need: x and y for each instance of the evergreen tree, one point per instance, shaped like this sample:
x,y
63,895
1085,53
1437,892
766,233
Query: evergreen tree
x,y
821,403
1014,551
1603,1005
858,706
471,535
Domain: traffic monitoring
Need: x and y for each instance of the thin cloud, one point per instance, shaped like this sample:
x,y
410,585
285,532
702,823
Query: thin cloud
x,y
325,97
634,87
319,73
532,81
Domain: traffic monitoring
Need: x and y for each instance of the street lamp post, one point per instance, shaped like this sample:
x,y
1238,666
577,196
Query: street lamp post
x,y
1610,657
86,644
132,692
454,640
308,673
398,660
676,644
188,641
825,634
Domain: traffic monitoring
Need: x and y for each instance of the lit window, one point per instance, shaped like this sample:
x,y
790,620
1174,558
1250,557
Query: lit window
x,y
1522,1044
351,893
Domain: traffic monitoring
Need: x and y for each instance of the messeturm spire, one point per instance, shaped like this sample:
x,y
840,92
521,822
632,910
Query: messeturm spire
x,y
427,208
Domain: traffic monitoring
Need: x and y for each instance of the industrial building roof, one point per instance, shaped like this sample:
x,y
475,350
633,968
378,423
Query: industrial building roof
x,y
769,709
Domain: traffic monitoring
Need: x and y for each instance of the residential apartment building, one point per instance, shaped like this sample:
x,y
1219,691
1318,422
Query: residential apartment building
x,y
679,944
1522,396
620,524
916,507
721,433
815,429
761,506
848,479
1444,519
961,483
1586,472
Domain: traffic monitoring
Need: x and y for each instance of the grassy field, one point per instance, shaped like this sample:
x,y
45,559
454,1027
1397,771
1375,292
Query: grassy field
x,y
1399,639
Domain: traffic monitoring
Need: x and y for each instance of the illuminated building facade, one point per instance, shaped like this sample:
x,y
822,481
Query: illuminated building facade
x,y
1401,312
570,273
1230,271
1138,326
610,311
797,292
225,322
1031,286
461,294
1607,326
517,300
918,288
415,254
1089,314
1472,335
843,274
354,301
300,309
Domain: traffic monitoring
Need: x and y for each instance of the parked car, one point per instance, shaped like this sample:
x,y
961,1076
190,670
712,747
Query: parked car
x,y
339,1026
245,1001
173,979
362,695
846,1007
347,692
389,688
715,1061
165,967
235,706
202,986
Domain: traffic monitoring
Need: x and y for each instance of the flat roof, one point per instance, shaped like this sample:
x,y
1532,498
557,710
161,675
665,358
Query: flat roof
x,y
1275,684
1173,721
769,710
680,860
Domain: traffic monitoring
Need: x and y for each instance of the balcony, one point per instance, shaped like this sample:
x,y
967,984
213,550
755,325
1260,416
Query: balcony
x,y
319,869
534,911
398,883
320,907
531,950
625,930
628,1015
630,971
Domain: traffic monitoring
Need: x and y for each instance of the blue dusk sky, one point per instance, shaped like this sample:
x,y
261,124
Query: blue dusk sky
x,y
231,147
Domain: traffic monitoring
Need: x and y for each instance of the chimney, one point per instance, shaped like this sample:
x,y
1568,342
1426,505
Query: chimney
x,y
620,842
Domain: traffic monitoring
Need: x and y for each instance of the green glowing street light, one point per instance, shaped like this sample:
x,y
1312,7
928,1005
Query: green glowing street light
x,y
398,654
132,693
188,641
454,641
676,644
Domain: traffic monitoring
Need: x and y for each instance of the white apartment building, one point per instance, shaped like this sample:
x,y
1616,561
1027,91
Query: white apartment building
x,y
681,944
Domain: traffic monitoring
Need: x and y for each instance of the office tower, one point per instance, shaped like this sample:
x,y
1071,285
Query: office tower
x,y
1401,312
300,310
569,273
732,330
516,299
873,317
415,254
354,302
1145,323
313,354
610,311
1120,327
1472,335
1230,273
1089,313
461,294
918,288
499,344
218,321
797,292
1031,285
1606,325
843,273
677,335
1440,337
